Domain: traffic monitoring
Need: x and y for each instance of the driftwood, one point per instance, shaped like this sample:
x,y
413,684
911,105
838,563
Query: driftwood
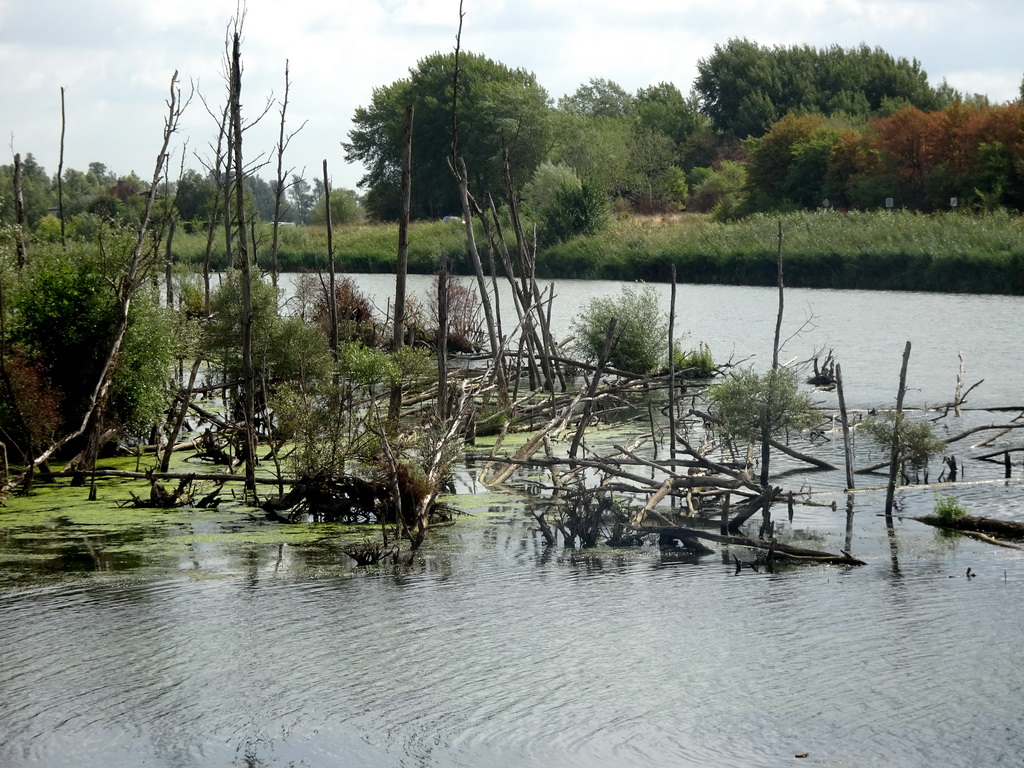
x,y
161,498
972,524
330,499
778,549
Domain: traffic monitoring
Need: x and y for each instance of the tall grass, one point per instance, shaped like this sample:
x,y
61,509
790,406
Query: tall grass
x,y
360,248
897,250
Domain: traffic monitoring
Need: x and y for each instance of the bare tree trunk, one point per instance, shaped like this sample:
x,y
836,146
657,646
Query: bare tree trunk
x,y
442,341
402,267
894,460
481,279
248,372
458,168
672,369
169,263
220,186
778,318
60,175
19,212
282,145
847,446
332,296
766,525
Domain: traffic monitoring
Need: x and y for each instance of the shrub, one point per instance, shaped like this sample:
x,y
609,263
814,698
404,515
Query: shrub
x,y
918,442
948,509
697,363
641,329
753,406
576,211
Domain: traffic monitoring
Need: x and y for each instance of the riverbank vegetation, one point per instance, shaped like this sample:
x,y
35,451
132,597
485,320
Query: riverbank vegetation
x,y
899,250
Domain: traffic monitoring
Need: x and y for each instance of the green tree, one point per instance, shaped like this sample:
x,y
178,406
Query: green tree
x,y
745,87
656,178
196,194
345,208
598,98
917,440
789,166
63,322
260,196
285,350
302,197
547,180
38,191
99,172
718,189
662,108
596,148
80,189
497,107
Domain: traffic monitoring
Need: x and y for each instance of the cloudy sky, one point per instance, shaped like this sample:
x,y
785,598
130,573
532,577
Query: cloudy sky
x,y
115,58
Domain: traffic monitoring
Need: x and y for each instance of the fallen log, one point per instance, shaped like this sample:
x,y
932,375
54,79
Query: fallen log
x,y
971,523
780,550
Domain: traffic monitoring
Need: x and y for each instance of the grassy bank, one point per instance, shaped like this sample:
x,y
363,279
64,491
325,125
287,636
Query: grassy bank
x,y
360,248
895,250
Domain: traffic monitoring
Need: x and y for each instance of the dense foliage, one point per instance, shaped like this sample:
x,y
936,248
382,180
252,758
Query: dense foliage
x,y
498,108
60,315
745,87
754,406
763,129
639,344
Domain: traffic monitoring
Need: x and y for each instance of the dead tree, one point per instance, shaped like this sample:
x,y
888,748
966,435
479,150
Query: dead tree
x,y
332,291
402,267
19,213
458,169
60,174
141,258
217,169
894,457
282,144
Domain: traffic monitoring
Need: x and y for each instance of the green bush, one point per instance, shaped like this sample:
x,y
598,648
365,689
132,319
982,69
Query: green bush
x,y
696,363
948,509
917,443
576,211
754,406
640,333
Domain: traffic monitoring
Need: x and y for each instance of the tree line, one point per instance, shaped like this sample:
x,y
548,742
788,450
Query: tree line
x,y
761,129
99,193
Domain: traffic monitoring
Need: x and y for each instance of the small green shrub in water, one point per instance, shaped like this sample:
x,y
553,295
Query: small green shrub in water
x,y
640,330
696,363
948,509
918,442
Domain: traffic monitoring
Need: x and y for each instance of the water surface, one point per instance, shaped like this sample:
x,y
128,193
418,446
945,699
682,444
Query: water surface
x,y
199,638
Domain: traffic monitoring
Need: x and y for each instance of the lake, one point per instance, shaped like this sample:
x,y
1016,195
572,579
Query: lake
x,y
212,638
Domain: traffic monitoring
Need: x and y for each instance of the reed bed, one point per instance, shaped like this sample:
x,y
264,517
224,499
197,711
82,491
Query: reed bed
x,y
897,250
